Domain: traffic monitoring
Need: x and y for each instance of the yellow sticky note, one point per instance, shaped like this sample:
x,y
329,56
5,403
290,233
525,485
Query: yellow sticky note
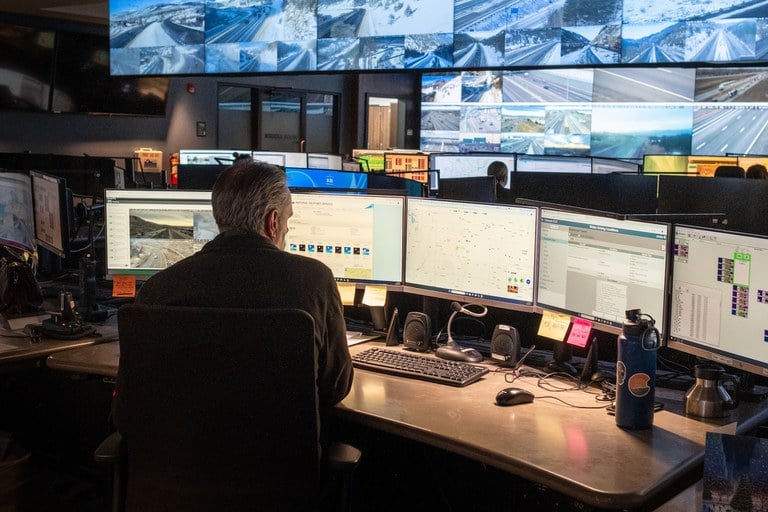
x,y
124,286
554,325
347,292
375,295
579,334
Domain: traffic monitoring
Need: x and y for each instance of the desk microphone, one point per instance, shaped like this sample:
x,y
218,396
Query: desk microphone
x,y
452,350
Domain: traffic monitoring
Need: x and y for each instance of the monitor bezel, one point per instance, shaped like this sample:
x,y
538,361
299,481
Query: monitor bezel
x,y
602,324
65,213
489,301
696,349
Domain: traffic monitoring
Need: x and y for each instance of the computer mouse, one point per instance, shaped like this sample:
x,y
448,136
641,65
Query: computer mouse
x,y
513,396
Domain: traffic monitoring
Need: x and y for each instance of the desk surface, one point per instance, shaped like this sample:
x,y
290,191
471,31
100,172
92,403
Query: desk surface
x,y
19,348
578,452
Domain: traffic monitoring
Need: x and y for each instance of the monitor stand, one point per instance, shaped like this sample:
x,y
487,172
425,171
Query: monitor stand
x,y
561,354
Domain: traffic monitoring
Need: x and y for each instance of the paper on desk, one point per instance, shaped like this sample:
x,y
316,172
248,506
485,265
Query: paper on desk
x,y
347,292
124,286
579,334
554,325
375,295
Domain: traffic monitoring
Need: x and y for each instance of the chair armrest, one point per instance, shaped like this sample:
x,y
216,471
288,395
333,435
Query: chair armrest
x,y
111,450
343,457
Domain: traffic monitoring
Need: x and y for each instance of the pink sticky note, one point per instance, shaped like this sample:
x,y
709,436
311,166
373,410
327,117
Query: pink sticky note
x,y
579,334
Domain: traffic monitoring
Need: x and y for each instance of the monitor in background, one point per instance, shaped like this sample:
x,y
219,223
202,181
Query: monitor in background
x,y
614,165
695,165
478,188
553,163
369,159
597,267
198,176
26,63
474,252
381,181
747,161
360,237
299,177
53,212
324,161
210,156
149,230
17,220
719,302
284,158
464,165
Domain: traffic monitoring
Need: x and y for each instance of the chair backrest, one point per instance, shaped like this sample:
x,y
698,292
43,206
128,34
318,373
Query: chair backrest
x,y
222,410
729,171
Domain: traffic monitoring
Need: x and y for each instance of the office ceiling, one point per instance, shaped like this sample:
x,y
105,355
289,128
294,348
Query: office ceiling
x,y
85,11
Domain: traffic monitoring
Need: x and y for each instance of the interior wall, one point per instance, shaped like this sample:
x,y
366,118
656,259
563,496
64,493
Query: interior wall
x,y
119,136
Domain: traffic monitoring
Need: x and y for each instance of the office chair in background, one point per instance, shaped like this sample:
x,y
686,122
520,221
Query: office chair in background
x,y
729,171
222,412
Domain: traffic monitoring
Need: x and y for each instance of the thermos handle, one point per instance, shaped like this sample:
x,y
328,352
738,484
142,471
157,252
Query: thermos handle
x,y
730,383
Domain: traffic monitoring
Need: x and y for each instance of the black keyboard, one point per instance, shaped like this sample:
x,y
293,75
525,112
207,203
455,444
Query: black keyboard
x,y
404,364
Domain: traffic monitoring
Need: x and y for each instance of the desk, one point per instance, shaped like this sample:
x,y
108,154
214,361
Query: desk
x,y
577,452
18,351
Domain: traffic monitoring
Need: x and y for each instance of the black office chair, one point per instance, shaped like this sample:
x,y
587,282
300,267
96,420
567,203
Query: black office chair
x,y
222,413
729,171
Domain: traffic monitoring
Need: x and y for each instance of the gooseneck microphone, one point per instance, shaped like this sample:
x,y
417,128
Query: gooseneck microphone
x,y
452,350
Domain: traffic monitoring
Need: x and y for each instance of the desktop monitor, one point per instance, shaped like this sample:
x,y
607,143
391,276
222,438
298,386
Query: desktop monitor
x,y
283,158
719,297
696,165
148,230
53,212
210,156
299,177
464,165
324,161
476,252
359,236
392,182
597,267
553,163
476,188
614,165
17,221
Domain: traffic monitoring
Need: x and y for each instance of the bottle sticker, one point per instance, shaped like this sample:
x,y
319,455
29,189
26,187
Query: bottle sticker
x,y
621,373
639,384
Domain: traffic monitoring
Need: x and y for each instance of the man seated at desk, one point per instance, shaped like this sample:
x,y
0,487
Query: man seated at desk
x,y
245,266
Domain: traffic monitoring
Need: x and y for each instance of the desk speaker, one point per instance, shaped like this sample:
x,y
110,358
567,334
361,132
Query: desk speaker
x,y
505,345
417,331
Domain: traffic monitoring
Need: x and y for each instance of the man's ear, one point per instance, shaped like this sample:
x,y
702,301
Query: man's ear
x,y
271,225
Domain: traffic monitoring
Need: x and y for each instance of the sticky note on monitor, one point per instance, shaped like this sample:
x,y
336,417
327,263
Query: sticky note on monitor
x,y
554,325
579,335
375,295
347,292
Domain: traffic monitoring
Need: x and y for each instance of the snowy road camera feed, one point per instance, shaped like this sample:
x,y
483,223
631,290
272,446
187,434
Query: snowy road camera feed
x,y
174,37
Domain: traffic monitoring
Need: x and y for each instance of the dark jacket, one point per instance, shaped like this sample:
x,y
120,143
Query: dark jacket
x,y
246,270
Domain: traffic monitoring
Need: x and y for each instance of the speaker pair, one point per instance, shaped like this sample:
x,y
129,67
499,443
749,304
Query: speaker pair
x,y
505,345
417,331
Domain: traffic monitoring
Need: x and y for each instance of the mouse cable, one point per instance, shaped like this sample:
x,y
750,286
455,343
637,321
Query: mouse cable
x,y
573,405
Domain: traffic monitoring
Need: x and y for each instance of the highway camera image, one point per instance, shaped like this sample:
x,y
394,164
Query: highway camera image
x,y
161,238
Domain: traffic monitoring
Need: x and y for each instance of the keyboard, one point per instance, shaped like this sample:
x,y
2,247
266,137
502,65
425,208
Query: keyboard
x,y
404,364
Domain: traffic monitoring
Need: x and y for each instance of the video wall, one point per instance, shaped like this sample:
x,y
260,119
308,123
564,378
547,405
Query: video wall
x,y
616,112
151,37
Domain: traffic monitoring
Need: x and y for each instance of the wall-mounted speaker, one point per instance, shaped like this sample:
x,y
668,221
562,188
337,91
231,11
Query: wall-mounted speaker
x,y
505,345
417,331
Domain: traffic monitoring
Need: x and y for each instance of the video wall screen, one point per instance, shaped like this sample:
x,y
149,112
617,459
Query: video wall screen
x,y
247,36
601,112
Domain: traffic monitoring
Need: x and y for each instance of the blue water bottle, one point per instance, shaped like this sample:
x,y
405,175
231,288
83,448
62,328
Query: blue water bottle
x,y
636,371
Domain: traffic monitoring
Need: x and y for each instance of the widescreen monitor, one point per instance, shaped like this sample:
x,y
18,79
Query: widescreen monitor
x,y
544,163
299,177
719,302
694,165
53,212
210,156
477,188
614,165
324,161
284,158
474,252
17,221
148,230
360,237
465,165
597,267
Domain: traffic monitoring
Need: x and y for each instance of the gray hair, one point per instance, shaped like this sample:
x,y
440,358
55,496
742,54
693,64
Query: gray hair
x,y
246,192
